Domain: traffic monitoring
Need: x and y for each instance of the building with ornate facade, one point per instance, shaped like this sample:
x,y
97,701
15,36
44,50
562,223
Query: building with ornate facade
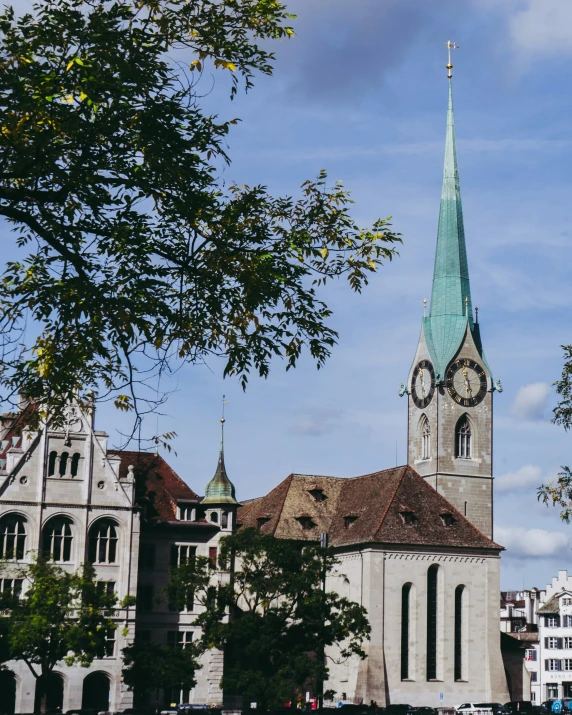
x,y
415,543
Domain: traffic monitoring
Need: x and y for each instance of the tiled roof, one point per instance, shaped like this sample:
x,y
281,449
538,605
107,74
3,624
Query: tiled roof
x,y
553,603
156,483
377,500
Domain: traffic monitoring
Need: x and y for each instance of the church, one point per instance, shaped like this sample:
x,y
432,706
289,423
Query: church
x,y
415,543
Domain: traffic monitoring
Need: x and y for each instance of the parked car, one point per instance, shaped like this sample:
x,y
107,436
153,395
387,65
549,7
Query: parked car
x,y
469,708
519,706
425,710
497,708
400,709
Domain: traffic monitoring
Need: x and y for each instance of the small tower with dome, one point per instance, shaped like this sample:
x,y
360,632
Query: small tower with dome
x,y
219,503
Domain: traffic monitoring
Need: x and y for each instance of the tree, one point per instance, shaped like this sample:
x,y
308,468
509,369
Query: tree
x,y
274,619
139,257
60,616
559,492
150,666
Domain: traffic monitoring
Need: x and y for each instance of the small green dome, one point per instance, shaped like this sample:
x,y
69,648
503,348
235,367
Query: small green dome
x,y
220,490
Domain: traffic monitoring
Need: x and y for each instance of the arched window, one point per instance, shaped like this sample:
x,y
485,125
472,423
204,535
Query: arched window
x,y
405,628
432,582
463,438
214,517
425,438
103,542
63,463
75,464
224,520
12,538
52,463
58,539
459,632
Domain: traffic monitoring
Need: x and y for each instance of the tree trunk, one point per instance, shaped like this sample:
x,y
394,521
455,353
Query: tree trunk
x,y
41,697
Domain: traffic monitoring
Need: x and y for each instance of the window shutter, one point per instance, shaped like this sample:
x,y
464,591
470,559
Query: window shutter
x,y
546,642
174,554
559,642
546,664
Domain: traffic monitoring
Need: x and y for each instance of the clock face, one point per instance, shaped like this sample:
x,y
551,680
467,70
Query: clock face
x,y
423,384
466,382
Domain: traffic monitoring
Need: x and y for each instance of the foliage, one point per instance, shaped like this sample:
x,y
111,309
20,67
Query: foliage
x,y
139,257
281,618
559,492
60,616
150,666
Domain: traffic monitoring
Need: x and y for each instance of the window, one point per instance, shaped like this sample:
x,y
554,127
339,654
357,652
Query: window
x,y
567,664
110,643
405,625
317,494
224,520
147,556
566,601
408,517
179,639
349,520
186,513
182,554
552,621
552,690
261,521
75,464
432,578
567,621
533,677
52,463
212,556
63,463
531,654
214,517
567,643
11,587
463,439
306,522
551,664
12,538
459,591
145,598
447,519
103,542
553,643
106,587
425,439
58,539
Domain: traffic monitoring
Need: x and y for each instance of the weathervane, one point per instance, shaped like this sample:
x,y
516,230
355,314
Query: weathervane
x,y
450,46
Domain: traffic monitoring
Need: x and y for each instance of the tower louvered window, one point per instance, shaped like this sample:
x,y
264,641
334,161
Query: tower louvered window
x,y
464,439
425,439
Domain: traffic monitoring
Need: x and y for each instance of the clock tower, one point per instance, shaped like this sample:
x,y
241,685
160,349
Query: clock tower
x,y
450,387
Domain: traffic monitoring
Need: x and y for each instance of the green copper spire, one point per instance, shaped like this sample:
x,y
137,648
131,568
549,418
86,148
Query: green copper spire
x,y
220,490
451,308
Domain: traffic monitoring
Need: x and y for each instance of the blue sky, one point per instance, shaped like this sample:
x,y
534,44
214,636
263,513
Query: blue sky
x,y
361,91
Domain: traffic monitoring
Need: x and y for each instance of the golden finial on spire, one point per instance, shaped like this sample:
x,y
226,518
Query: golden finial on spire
x,y
450,46
224,402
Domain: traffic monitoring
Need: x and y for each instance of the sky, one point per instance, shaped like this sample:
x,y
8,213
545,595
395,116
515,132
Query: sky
x,y
361,91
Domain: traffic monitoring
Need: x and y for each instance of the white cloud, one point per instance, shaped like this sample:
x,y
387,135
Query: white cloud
x,y
531,543
542,27
531,401
316,422
520,479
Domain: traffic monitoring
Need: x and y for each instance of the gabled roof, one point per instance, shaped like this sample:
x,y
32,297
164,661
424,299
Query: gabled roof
x,y
377,501
553,603
156,483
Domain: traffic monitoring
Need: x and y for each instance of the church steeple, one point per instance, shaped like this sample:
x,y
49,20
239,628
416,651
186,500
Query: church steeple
x,y
220,490
451,309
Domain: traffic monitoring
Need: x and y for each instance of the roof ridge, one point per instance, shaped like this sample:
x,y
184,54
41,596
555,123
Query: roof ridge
x,y
288,479
390,502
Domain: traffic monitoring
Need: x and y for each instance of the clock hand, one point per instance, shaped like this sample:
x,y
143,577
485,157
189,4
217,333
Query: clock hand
x,y
422,382
467,382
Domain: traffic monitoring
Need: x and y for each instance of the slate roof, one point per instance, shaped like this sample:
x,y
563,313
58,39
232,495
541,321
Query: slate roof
x,y
377,500
156,483
553,603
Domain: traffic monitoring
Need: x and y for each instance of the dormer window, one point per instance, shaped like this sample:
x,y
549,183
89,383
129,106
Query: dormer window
x,y
448,519
261,521
306,522
317,493
186,513
349,519
408,517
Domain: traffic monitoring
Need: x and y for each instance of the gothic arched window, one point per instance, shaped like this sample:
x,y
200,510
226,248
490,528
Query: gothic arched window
x,y
12,538
460,629
52,463
63,463
103,542
75,464
463,439
425,438
58,537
